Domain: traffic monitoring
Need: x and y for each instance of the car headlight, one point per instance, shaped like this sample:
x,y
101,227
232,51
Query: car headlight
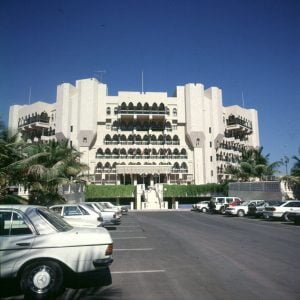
x,y
109,249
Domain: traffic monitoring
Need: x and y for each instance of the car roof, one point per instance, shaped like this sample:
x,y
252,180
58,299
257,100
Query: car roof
x,y
22,207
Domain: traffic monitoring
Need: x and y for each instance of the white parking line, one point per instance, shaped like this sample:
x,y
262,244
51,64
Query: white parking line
x,y
138,272
129,237
134,249
127,231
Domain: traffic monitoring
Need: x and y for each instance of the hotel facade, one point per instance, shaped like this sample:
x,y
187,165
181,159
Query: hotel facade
x,y
143,137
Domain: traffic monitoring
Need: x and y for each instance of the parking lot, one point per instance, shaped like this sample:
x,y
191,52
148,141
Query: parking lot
x,y
188,255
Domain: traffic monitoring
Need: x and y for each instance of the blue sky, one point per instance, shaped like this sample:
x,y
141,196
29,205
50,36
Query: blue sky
x,y
245,47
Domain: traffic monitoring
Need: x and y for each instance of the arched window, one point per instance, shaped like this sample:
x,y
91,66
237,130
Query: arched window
x,y
123,139
139,106
154,106
146,152
115,151
175,140
107,166
176,151
176,166
122,152
131,107
138,139
107,152
183,151
161,107
130,139
115,139
99,168
154,152
123,106
99,152
184,167
138,151
146,107
107,139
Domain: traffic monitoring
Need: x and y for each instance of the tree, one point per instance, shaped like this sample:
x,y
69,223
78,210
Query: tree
x,y
253,164
293,180
10,152
45,167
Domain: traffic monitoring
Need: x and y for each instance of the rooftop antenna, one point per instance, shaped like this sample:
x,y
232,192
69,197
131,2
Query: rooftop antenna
x,y
142,82
29,96
243,101
101,72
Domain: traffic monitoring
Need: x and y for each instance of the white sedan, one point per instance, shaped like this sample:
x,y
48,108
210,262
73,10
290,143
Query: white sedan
x,y
78,215
40,249
282,211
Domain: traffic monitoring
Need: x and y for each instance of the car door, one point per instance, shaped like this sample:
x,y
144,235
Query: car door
x,y
79,217
16,237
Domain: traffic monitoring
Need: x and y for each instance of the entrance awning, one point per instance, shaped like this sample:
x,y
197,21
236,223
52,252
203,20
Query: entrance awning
x,y
143,169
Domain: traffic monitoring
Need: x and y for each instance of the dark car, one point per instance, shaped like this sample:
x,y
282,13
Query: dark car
x,y
295,217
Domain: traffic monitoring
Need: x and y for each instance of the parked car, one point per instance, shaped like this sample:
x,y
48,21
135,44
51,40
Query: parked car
x,y
222,203
201,206
241,209
258,209
109,217
281,211
78,215
40,250
120,208
295,217
107,206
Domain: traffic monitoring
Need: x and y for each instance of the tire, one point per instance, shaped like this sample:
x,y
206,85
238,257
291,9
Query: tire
x,y
42,280
222,210
240,213
204,209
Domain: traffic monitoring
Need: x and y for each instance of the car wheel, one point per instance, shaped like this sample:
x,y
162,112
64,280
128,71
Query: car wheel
x,y
286,218
222,210
240,213
42,280
204,209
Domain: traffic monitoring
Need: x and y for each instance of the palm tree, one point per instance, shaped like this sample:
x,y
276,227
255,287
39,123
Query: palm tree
x,y
45,167
253,164
293,180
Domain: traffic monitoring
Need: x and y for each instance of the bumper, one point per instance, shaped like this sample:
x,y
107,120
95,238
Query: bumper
x,y
97,278
102,262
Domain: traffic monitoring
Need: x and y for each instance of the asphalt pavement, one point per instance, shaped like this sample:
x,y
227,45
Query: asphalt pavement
x,y
189,255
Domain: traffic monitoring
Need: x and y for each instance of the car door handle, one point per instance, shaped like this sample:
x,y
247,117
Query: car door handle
x,y
23,244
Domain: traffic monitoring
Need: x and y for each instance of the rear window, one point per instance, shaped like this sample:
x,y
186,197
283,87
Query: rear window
x,y
56,221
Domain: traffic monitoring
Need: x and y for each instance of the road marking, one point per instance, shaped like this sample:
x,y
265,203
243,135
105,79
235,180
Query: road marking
x,y
127,231
129,237
134,249
138,272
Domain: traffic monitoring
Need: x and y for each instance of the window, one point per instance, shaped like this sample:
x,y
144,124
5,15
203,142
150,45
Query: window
x,y
210,144
212,173
209,129
71,128
108,110
174,112
12,223
211,158
84,140
72,211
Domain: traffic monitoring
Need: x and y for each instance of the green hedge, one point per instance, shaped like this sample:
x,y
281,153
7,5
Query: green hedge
x,y
194,190
109,191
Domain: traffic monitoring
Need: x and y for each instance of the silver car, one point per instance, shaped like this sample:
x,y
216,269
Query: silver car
x,y
109,217
78,215
39,249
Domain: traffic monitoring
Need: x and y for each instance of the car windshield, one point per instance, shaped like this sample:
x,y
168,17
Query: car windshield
x,y
107,205
99,206
54,219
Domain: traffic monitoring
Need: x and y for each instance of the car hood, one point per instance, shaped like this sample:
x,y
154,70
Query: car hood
x,y
74,237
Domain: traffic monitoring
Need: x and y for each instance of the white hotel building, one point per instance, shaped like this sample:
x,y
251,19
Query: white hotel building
x,y
143,137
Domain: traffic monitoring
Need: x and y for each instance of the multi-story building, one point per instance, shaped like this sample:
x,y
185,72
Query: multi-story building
x,y
143,137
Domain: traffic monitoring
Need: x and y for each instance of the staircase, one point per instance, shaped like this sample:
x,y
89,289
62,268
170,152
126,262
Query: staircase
x,y
153,197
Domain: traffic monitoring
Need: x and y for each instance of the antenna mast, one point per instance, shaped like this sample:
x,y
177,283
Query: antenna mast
x,y
142,82
29,96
